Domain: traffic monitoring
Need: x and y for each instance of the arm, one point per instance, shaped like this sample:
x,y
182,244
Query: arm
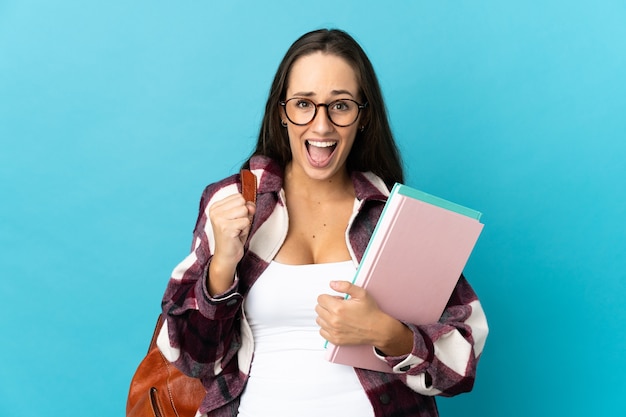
x,y
201,336
445,354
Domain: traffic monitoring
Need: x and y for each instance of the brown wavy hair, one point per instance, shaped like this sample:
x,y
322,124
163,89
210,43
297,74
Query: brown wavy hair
x,y
374,149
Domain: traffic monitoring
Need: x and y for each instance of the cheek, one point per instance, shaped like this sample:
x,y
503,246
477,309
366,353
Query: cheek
x,y
350,137
296,132
293,135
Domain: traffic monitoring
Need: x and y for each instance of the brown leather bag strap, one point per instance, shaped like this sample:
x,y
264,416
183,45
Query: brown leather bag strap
x,y
155,333
248,185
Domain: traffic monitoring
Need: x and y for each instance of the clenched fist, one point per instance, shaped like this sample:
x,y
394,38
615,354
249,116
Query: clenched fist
x,y
231,219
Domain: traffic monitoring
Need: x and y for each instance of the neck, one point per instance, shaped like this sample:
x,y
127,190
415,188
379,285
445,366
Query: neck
x,y
296,181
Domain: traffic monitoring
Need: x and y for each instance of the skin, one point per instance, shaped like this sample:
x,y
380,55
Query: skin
x,y
319,198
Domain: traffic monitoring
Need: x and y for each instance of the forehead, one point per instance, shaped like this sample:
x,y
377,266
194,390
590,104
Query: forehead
x,y
322,74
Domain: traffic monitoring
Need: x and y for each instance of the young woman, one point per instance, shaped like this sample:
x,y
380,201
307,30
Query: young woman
x,y
249,309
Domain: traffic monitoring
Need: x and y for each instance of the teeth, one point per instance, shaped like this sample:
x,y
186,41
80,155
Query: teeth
x,y
322,144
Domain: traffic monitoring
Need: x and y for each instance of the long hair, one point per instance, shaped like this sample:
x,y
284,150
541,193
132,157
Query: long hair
x,y
374,148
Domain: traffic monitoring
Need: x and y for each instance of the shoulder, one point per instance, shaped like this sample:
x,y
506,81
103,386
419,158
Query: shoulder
x,y
369,186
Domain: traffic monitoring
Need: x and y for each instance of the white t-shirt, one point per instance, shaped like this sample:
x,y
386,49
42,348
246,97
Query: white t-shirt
x,y
289,375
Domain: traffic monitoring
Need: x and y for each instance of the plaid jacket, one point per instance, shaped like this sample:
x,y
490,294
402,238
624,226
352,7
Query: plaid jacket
x,y
209,338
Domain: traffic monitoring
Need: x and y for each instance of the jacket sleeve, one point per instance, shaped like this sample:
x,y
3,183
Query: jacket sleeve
x,y
201,333
445,354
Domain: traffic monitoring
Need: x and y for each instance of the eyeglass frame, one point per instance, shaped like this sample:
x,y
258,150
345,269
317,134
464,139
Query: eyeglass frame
x,y
360,107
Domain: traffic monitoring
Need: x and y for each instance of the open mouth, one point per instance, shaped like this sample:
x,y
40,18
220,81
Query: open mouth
x,y
320,151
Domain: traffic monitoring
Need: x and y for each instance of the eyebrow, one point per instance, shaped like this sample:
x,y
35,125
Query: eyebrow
x,y
333,93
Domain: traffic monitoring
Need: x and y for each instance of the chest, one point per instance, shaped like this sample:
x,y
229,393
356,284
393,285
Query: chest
x,y
317,231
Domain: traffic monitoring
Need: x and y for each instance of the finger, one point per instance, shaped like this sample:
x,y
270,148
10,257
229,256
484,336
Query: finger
x,y
346,287
324,320
321,309
329,302
227,203
242,224
331,330
251,207
243,234
234,208
233,199
235,212
231,228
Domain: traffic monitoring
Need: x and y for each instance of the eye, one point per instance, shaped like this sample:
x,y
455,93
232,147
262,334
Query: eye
x,y
341,106
303,104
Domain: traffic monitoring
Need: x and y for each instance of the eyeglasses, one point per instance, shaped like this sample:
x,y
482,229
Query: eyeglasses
x,y
302,111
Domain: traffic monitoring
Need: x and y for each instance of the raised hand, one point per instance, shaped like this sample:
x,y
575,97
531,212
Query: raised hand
x,y
231,219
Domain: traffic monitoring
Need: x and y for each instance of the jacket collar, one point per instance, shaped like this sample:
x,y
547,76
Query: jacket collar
x,y
367,186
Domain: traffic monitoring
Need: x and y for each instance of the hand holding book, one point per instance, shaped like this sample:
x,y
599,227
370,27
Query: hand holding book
x,y
357,320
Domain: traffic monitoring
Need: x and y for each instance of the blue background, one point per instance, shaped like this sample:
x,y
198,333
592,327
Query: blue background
x,y
114,115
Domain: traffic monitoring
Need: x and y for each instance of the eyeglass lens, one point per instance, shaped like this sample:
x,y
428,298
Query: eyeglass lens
x,y
302,111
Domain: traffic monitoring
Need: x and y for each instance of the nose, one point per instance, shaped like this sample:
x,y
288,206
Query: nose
x,y
321,122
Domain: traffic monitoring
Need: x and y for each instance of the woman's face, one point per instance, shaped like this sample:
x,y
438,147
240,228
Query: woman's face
x,y
320,148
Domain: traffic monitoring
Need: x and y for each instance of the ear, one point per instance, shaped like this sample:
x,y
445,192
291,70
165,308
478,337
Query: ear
x,y
281,110
283,115
364,118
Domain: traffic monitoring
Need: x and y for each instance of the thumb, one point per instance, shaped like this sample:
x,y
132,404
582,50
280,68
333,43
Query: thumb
x,y
347,287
